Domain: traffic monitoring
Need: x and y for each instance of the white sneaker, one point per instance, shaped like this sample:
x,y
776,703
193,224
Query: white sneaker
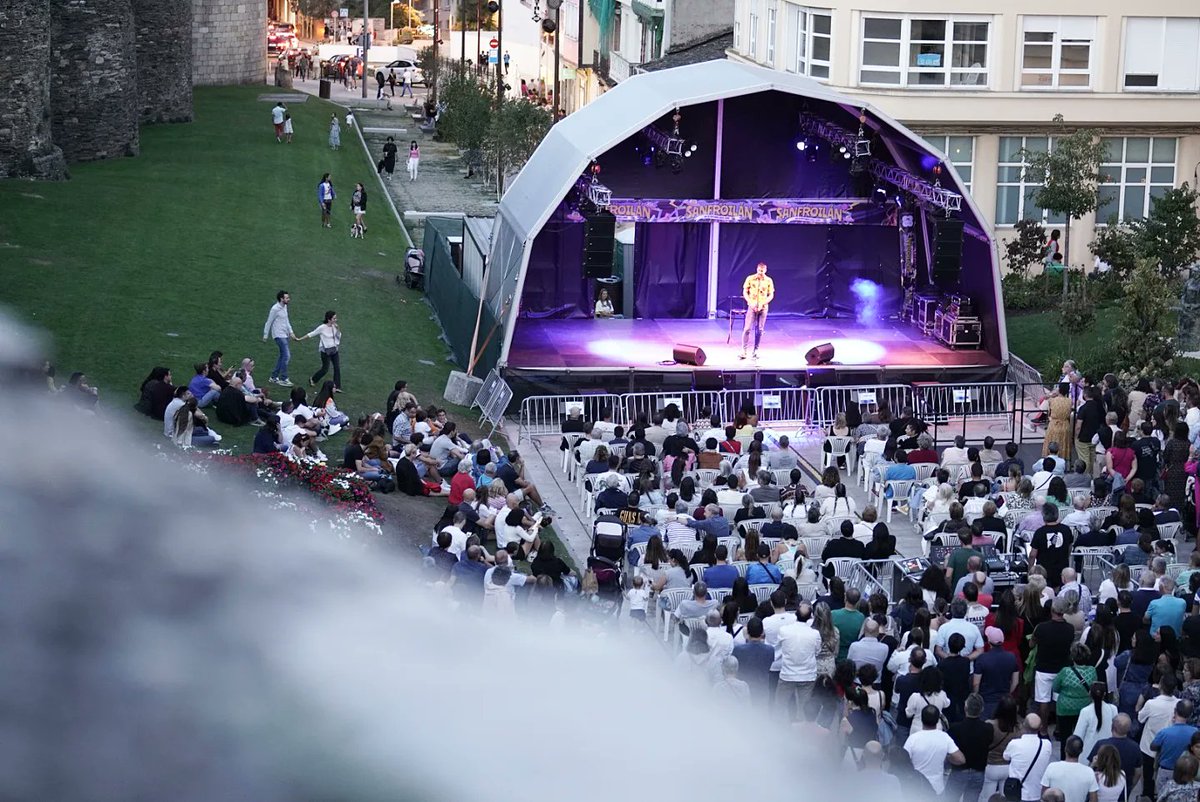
x,y
333,430
284,383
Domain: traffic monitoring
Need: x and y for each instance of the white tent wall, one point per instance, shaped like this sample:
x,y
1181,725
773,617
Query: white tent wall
x,y
575,141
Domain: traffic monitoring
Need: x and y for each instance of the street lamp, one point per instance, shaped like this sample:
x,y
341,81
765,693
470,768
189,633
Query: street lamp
x,y
555,5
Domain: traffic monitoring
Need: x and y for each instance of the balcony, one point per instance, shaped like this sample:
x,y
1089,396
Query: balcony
x,y
618,69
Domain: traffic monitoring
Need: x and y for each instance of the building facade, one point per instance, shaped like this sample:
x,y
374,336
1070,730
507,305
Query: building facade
x,y
980,86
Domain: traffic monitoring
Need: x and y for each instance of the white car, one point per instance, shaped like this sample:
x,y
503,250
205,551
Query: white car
x,y
418,77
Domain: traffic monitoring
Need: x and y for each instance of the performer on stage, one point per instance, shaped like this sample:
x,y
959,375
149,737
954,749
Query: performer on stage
x,y
758,291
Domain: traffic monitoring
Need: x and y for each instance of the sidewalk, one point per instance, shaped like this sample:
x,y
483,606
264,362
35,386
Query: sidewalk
x,y
441,185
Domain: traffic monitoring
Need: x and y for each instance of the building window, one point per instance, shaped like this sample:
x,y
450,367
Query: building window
x,y
1162,55
810,31
1136,170
960,151
616,28
1057,52
772,12
1014,188
753,46
925,52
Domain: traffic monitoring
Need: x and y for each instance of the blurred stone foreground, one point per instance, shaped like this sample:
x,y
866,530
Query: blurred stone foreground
x,y
165,638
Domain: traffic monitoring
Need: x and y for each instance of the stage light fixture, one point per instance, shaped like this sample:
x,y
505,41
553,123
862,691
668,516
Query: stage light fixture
x,y
842,149
695,148
801,146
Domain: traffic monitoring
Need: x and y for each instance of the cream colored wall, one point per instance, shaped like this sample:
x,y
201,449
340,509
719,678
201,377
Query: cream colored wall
x,y
1000,110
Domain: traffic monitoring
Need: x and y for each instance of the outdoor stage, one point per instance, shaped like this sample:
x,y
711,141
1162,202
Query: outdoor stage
x,y
606,346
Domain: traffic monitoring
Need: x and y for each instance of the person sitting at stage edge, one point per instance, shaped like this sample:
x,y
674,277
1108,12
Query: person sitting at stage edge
x,y
604,305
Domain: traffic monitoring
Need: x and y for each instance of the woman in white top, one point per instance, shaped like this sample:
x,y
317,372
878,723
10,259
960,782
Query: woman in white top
x,y
938,509
1095,720
929,692
330,340
841,505
604,305
1116,583
1109,776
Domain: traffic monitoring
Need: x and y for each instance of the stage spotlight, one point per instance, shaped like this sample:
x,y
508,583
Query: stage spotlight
x,y
845,153
801,146
687,154
695,148
842,149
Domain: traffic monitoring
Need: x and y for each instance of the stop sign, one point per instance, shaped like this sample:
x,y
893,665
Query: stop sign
x,y
494,43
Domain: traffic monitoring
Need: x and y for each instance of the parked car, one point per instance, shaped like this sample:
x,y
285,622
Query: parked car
x,y
405,64
281,36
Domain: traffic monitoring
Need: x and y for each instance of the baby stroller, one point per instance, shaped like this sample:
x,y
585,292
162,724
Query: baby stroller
x,y
414,269
605,600
608,538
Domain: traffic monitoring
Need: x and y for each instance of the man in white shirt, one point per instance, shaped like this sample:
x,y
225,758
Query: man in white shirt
x,y
279,328
1076,780
1156,714
677,530
1028,757
1079,516
458,538
955,454
930,748
798,647
277,115
720,642
716,431
605,425
868,649
587,448
779,619
515,581
784,458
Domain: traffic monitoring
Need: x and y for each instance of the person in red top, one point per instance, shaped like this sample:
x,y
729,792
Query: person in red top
x,y
1009,621
461,482
924,451
730,444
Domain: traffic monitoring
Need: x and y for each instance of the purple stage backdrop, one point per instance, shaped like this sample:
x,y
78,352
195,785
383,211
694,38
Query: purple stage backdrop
x,y
748,210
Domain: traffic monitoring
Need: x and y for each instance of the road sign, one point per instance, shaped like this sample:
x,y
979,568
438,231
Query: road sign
x,y
494,43
492,58
343,12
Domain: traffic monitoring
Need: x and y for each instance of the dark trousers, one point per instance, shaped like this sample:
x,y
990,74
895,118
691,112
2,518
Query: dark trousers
x,y
1064,729
326,359
1149,768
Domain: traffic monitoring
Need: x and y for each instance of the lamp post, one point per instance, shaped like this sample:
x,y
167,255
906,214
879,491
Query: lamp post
x,y
556,7
366,43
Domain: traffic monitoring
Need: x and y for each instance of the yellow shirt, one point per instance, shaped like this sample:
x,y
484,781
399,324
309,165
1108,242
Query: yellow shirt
x,y
758,290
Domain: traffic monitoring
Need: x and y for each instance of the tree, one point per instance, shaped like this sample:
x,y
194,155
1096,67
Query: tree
x,y
474,15
1027,248
405,16
517,128
467,116
1069,171
1171,234
1144,329
316,9
1117,246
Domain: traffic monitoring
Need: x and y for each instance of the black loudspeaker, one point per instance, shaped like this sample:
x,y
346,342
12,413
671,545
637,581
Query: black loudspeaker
x,y
947,250
599,231
820,354
689,354
708,380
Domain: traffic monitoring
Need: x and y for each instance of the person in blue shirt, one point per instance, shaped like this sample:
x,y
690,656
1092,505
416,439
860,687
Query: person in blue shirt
x,y
713,523
468,573
1167,610
721,574
899,470
764,572
755,657
1173,741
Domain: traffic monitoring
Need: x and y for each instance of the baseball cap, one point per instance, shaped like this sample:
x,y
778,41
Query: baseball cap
x,y
994,635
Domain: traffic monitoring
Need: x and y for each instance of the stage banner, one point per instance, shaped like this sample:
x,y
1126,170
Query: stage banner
x,y
751,210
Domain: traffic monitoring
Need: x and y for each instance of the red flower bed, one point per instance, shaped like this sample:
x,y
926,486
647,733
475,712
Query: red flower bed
x,y
334,486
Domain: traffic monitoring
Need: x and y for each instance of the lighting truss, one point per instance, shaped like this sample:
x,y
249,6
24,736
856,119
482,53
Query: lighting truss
x,y
595,193
671,145
902,179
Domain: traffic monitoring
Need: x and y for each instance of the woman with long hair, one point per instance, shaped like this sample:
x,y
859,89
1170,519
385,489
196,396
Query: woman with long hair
x,y
653,566
749,548
358,205
933,585
822,622
1008,620
707,553
1095,719
1004,730
1135,666
324,400
1109,776
840,505
709,496
929,692
695,659
740,594
1056,493
414,160
1118,581
882,545
748,511
1102,641
329,340
829,481
1174,460
687,489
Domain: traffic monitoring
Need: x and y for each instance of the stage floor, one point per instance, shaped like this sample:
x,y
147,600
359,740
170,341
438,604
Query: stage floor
x,y
605,345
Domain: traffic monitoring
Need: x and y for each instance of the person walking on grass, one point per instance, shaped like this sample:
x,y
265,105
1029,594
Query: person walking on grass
x,y
325,196
358,205
278,114
414,160
287,127
329,338
406,83
388,162
279,328
335,133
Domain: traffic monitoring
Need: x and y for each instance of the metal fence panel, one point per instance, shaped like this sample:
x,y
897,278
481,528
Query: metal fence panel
x,y
544,414
691,403
832,401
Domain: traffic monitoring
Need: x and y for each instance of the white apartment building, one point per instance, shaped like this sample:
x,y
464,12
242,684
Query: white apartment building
x,y
980,84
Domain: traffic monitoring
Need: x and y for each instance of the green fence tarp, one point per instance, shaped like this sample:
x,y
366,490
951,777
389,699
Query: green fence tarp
x,y
454,303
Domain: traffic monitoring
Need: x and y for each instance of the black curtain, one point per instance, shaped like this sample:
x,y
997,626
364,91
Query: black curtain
x,y
554,284
671,269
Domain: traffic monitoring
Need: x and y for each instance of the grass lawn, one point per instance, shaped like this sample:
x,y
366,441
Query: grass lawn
x,y
163,258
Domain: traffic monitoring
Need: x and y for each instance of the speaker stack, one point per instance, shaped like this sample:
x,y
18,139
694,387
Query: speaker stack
x,y
599,241
947,251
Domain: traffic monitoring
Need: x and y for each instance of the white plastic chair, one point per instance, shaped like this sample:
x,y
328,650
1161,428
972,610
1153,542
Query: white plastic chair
x,y
900,489
1170,531
568,456
940,539
843,567
925,470
763,592
838,447
705,477
741,566
751,525
673,597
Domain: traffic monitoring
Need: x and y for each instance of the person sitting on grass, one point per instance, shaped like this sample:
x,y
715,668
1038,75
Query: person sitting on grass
x,y
181,395
324,401
237,408
519,533
205,390
190,426
269,439
156,393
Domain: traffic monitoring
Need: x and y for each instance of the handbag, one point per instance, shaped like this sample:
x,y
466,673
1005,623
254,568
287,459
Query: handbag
x,y
1013,786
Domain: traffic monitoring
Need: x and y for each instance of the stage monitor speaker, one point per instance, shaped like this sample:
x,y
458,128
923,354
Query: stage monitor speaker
x,y
820,354
689,355
708,380
599,232
947,250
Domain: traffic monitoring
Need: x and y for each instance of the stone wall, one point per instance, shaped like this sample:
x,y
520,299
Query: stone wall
x,y
93,79
229,42
26,149
164,60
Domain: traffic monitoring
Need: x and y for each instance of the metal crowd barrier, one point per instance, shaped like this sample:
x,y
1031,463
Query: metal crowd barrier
x,y
862,578
949,408
832,401
793,405
691,403
544,414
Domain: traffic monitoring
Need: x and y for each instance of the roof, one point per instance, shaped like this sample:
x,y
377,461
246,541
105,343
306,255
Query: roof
x,y
635,103
713,47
